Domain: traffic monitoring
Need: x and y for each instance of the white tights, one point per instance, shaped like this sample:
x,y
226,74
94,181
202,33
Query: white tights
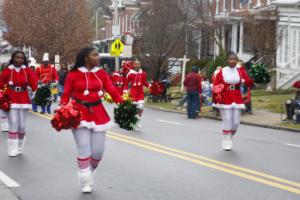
x,y
16,121
231,120
90,147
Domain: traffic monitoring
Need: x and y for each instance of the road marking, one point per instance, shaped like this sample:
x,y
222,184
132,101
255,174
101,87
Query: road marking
x,y
207,162
167,122
8,181
249,171
212,166
292,145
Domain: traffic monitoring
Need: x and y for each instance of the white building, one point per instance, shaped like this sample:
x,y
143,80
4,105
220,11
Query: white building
x,y
232,15
288,52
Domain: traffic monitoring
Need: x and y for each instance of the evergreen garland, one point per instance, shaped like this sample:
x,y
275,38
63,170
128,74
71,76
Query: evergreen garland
x,y
260,74
126,115
42,96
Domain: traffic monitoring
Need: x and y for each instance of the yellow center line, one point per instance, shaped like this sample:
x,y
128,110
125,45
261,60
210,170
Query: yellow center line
x,y
204,161
253,172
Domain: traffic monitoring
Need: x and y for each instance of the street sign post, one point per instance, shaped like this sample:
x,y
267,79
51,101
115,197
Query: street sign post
x,y
184,60
116,49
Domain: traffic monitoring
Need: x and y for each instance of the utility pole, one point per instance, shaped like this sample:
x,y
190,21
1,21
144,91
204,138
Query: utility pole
x,y
97,16
116,31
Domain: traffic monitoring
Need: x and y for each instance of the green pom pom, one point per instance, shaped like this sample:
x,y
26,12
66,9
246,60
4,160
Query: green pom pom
x,y
126,115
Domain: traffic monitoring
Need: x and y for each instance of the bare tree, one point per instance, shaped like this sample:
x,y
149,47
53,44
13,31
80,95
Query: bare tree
x,y
54,26
162,36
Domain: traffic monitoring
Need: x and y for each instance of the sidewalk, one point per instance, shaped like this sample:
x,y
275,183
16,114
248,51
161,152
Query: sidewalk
x,y
261,118
6,194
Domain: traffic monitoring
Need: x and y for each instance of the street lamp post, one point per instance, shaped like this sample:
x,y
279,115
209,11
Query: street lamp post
x,y
97,15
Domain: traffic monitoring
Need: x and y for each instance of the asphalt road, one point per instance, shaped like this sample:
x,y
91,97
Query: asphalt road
x,y
170,158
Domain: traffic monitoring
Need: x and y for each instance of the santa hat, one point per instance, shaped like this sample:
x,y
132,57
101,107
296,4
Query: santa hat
x,y
46,57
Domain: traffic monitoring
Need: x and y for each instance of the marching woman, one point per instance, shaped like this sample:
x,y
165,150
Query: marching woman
x,y
119,80
137,79
227,83
18,77
85,85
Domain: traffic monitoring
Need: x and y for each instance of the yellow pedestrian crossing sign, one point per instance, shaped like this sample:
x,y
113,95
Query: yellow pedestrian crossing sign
x,y
117,48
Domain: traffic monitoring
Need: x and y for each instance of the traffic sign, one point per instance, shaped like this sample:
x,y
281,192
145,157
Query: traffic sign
x,y
117,48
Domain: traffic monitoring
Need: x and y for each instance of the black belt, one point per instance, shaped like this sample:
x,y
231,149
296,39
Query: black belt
x,y
233,87
88,104
18,88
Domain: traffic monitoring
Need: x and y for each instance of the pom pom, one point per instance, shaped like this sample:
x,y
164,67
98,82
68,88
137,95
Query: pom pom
x,y
5,101
108,98
126,115
86,92
126,97
42,96
10,83
66,117
217,93
156,88
100,93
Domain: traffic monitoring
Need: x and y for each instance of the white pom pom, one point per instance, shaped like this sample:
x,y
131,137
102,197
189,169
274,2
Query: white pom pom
x,y
100,93
134,84
10,83
86,92
139,84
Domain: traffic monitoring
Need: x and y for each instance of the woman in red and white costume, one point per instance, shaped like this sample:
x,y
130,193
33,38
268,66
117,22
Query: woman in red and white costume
x,y
231,78
18,77
137,79
119,80
85,85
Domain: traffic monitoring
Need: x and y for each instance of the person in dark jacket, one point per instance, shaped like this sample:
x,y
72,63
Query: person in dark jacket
x,y
193,87
62,73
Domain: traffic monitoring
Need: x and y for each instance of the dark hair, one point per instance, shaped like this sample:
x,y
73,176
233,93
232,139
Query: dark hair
x,y
231,53
12,60
80,58
195,69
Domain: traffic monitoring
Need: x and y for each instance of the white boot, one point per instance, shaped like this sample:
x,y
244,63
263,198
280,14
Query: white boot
x,y
4,127
21,145
86,181
12,147
227,142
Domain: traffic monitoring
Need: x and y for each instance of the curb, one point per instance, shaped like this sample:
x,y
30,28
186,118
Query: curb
x,y
219,119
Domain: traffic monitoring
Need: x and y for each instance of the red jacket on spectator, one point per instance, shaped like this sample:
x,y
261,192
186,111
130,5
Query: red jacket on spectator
x,y
192,82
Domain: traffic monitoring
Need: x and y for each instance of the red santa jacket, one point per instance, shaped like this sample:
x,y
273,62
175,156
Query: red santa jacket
x,y
89,86
137,81
119,81
47,74
17,80
231,79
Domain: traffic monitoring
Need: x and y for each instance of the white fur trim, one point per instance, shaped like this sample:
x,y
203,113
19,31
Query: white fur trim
x,y
134,72
17,68
85,70
231,75
139,102
229,106
20,106
117,74
95,127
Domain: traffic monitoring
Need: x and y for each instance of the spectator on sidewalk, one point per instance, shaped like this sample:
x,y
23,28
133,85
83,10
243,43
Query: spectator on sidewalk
x,y
193,87
62,73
